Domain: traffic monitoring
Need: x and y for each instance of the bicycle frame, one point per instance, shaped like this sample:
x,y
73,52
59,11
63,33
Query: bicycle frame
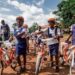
x,y
70,57
7,59
39,58
72,62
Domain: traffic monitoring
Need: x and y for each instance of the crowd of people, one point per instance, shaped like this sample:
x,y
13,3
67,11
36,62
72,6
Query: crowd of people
x,y
22,36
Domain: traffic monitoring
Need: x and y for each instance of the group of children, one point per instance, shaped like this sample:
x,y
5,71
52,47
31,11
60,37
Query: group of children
x,y
19,40
22,45
53,36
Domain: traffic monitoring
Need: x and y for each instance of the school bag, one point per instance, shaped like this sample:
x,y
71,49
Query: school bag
x,y
50,36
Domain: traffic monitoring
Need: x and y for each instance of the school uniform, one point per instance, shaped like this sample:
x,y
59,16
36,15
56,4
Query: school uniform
x,y
54,44
21,42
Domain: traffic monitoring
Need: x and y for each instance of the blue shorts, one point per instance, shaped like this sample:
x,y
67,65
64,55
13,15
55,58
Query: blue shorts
x,y
20,50
54,49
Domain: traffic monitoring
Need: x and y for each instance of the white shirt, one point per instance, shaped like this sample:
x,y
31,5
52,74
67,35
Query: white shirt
x,y
52,40
52,31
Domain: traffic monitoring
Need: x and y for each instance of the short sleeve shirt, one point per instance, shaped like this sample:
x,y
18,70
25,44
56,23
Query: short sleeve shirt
x,y
21,41
73,33
52,32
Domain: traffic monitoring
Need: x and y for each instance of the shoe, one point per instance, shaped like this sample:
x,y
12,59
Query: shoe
x,y
57,69
52,64
13,67
23,69
19,71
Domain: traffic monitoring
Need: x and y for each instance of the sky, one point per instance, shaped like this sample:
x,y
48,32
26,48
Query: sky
x,y
32,10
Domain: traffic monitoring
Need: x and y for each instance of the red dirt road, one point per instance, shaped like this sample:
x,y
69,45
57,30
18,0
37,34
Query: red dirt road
x,y
46,70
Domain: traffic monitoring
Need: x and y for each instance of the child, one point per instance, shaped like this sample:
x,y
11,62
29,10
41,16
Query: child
x,y
21,44
55,34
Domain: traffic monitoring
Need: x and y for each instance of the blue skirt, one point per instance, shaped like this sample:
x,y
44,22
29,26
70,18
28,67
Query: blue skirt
x,y
54,49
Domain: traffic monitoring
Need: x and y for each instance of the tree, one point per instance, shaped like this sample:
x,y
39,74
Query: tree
x,y
33,28
66,12
14,26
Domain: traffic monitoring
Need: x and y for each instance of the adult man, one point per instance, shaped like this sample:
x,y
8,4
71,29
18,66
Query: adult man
x,y
5,30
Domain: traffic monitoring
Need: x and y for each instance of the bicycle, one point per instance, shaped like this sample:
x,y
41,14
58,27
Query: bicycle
x,y
41,54
7,59
40,57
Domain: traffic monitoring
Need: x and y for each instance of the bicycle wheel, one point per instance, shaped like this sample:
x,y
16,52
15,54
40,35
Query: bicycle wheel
x,y
38,62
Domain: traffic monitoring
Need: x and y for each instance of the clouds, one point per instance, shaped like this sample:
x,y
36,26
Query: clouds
x,y
25,8
13,2
31,13
9,19
41,2
5,9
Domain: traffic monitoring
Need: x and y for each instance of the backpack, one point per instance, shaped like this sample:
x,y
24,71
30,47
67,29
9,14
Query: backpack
x,y
49,35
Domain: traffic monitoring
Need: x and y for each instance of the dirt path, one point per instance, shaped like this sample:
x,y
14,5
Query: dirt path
x,y
46,70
